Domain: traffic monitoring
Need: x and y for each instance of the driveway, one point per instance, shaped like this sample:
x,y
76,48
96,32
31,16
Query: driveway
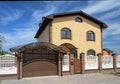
x,y
92,78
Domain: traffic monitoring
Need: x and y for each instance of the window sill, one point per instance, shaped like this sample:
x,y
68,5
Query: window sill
x,y
66,38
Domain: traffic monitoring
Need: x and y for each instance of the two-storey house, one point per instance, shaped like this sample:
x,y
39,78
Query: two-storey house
x,y
75,32
61,38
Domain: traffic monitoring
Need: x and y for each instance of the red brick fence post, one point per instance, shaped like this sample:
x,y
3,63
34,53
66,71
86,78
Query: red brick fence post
x,y
82,59
99,62
71,64
114,62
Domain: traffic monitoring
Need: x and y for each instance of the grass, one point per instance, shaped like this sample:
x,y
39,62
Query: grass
x,y
112,73
115,73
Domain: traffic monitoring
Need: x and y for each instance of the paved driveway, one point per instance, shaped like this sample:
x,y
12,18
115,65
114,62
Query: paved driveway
x,y
92,78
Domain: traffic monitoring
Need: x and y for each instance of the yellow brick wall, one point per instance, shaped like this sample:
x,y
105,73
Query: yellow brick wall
x,y
79,30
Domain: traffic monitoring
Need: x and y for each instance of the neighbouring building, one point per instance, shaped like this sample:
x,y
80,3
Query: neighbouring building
x,y
107,52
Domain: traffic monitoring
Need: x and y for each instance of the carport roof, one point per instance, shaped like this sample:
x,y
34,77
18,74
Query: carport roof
x,y
36,45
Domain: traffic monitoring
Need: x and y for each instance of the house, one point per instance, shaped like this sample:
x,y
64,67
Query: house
x,y
107,52
75,32
61,38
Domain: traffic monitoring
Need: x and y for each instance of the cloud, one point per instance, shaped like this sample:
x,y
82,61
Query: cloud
x,y
19,36
113,29
50,7
26,34
10,16
113,46
101,6
111,15
38,14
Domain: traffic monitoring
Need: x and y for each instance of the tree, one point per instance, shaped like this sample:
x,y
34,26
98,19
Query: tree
x,y
2,39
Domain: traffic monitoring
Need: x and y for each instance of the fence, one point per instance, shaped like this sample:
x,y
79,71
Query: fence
x,y
101,62
8,64
118,61
107,62
91,62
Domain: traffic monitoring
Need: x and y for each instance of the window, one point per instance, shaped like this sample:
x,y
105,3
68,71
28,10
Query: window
x,y
90,52
90,36
66,33
77,19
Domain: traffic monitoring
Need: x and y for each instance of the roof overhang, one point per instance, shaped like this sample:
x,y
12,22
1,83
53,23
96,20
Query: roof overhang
x,y
42,27
81,13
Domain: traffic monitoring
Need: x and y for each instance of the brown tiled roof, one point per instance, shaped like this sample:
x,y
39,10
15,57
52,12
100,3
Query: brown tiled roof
x,y
81,13
108,50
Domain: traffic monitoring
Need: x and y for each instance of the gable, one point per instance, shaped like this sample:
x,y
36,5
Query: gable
x,y
68,21
48,18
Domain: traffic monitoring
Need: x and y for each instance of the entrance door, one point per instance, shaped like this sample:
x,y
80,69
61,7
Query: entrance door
x,y
77,66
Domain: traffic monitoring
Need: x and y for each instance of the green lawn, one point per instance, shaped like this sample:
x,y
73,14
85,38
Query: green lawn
x,y
112,73
115,73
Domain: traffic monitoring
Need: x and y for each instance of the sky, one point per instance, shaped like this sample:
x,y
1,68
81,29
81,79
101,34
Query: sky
x,y
19,19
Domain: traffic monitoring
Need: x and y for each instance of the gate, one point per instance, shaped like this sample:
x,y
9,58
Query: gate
x,y
8,64
40,62
77,66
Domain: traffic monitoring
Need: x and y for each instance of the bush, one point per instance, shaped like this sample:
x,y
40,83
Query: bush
x,y
2,52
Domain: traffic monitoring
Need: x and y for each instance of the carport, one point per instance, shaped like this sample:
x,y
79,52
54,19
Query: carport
x,y
38,59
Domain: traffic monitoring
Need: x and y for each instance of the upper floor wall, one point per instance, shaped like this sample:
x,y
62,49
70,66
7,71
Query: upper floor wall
x,y
44,37
78,33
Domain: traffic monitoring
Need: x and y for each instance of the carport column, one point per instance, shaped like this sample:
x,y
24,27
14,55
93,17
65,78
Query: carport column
x,y
82,59
71,64
99,62
60,64
114,61
20,65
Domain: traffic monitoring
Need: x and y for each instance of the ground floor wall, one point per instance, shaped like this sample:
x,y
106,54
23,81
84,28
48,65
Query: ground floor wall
x,y
82,47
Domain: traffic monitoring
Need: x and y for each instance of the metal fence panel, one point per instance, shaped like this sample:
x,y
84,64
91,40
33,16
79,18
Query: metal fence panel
x,y
118,61
8,64
107,62
91,62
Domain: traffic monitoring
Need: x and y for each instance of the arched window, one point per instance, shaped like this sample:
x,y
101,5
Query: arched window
x,y
66,33
91,52
90,36
78,19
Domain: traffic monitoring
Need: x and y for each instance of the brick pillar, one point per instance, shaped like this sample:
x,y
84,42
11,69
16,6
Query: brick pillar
x,y
18,63
20,66
82,59
71,64
60,64
99,62
114,62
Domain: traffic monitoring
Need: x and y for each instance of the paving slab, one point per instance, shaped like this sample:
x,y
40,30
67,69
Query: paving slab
x,y
91,78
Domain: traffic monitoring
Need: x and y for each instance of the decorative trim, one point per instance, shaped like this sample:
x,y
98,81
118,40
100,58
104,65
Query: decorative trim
x,y
50,32
91,50
101,42
78,19
87,36
70,33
